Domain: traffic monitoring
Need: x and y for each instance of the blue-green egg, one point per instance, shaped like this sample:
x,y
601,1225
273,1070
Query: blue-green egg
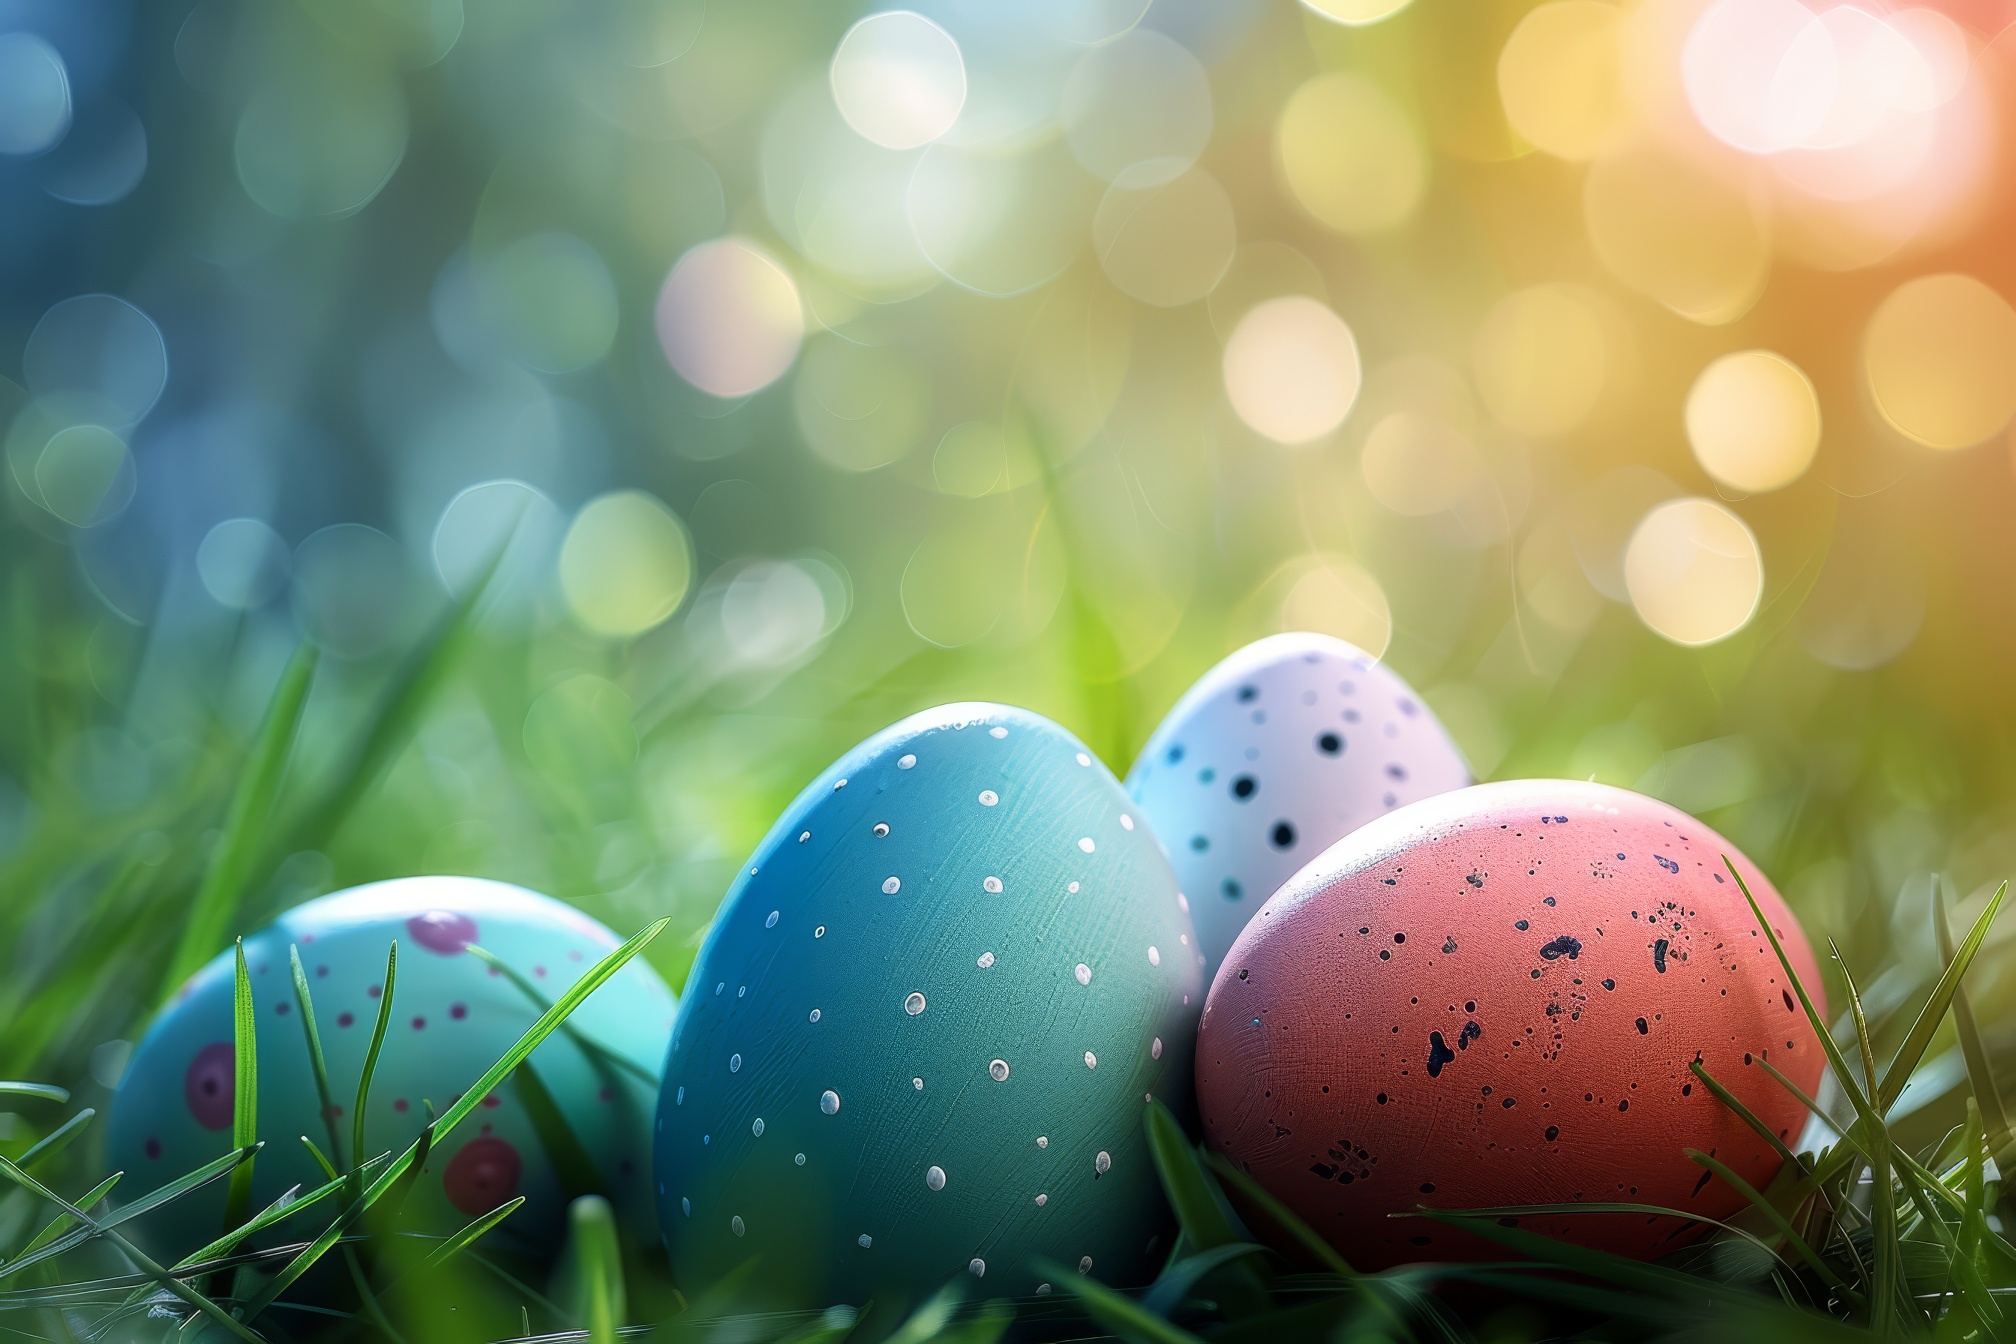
x,y
922,1032
453,1014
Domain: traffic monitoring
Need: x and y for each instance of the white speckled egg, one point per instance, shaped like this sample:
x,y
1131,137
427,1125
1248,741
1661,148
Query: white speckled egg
x,y
453,1016
1273,756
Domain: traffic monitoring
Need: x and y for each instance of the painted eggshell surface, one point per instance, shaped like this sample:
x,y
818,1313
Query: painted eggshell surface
x,y
1492,998
1274,755
452,1018
921,1033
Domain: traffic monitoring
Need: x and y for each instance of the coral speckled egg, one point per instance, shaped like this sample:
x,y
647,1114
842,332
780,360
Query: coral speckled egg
x,y
1491,998
921,1033
453,1017
1274,755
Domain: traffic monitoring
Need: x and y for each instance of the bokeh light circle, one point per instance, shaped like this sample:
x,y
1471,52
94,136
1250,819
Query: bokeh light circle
x,y
1292,370
85,475
1418,464
1137,110
1540,360
349,582
626,564
898,79
101,160
729,319
1753,420
499,536
971,459
1677,232
1760,75
859,407
1940,357
997,221
773,612
242,563
1694,572
34,95
558,298
1557,75
1166,245
320,139
97,357
1334,595
1350,156
1356,13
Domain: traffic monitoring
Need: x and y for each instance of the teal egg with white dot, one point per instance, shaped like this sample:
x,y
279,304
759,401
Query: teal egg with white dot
x,y
921,1036
578,1119
1274,755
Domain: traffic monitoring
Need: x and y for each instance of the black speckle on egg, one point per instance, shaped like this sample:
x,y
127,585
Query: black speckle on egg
x,y
1174,754
1244,787
1233,891
1330,744
1199,843
1248,694
1283,835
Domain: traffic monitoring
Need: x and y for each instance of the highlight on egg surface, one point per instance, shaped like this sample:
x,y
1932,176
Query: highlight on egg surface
x,y
1272,756
1493,998
921,1033
588,1089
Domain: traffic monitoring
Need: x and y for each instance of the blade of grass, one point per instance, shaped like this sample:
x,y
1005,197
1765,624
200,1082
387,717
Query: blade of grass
x,y
600,1263
1635,1275
377,1043
547,1024
328,1168
1174,1283
1980,1076
1747,1116
317,1064
290,1203
1887,1275
57,1139
63,1222
570,1158
1122,1315
1304,1235
540,1003
1927,1023
200,1301
46,1091
469,1235
244,1092
1204,1223
245,822
399,710
1778,1221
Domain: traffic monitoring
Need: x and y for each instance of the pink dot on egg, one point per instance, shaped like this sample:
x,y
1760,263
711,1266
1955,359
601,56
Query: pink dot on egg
x,y
419,1024
574,955
344,1019
442,931
458,1011
209,1084
153,1146
321,971
606,1094
400,1105
482,1175
539,971
280,1008
375,990
493,1101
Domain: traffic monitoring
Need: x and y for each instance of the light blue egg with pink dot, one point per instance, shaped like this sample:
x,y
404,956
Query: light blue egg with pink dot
x,y
454,1013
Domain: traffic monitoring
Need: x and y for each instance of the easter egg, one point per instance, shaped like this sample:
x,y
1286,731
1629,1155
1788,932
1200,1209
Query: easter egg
x,y
1275,754
1492,998
452,1017
919,1038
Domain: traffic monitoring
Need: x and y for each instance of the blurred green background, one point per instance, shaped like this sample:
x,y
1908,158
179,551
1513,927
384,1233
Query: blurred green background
x,y
307,308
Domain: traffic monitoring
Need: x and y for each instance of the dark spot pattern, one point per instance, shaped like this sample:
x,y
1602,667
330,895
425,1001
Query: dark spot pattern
x,y
1563,946
1439,1054
1659,956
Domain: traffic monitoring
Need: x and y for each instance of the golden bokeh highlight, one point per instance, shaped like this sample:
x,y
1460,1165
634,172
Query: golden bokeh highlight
x,y
1940,357
1540,360
971,459
625,565
1166,245
1350,156
1677,233
1418,464
1551,579
1694,571
1557,76
1753,420
1291,369
1355,13
1334,595
729,318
